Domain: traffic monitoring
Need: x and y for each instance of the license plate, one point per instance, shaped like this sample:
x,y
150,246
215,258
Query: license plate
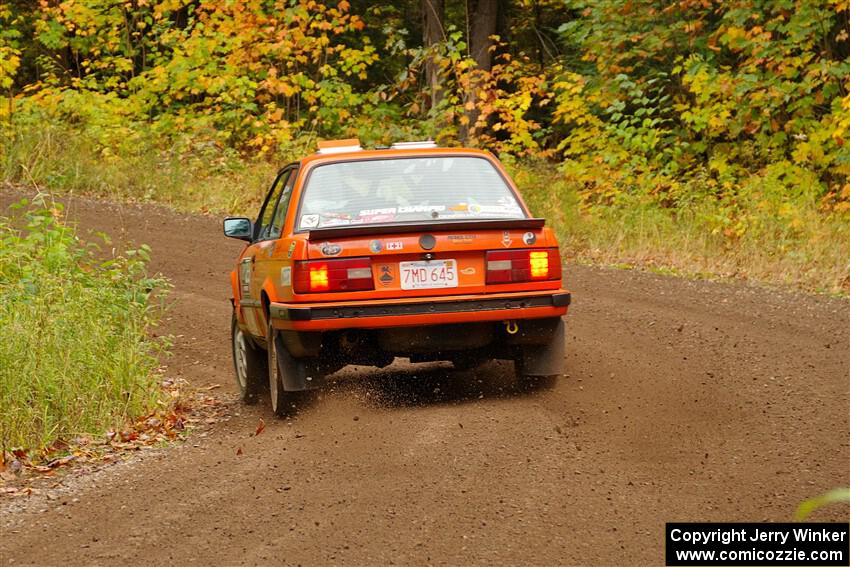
x,y
428,275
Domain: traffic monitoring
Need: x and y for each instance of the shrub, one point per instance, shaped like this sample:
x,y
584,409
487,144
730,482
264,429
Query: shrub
x,y
76,354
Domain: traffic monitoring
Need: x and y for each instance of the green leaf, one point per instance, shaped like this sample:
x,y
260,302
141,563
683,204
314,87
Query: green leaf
x,y
807,507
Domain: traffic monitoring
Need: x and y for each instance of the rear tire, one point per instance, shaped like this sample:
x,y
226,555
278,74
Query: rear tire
x,y
249,364
284,403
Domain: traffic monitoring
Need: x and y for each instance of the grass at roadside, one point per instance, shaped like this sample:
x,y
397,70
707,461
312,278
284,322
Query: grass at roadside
x,y
76,353
187,176
765,235
810,251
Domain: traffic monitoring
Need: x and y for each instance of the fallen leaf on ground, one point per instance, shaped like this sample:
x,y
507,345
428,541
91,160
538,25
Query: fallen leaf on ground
x,y
260,427
168,422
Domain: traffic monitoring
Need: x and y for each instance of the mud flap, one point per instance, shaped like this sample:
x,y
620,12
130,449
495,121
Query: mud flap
x,y
297,374
546,359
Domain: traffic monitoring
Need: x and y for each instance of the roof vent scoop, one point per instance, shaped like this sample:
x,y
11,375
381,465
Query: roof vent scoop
x,y
414,145
339,146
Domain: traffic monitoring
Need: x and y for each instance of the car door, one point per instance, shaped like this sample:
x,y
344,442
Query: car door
x,y
251,274
269,260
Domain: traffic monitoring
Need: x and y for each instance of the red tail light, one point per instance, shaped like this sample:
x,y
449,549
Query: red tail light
x,y
345,274
509,266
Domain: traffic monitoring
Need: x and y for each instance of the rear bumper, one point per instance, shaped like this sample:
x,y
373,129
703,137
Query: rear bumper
x,y
413,312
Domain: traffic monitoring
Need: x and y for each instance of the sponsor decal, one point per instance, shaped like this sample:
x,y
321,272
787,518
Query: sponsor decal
x,y
376,212
372,216
475,208
286,276
498,209
470,271
291,249
374,219
333,219
386,277
375,246
529,238
309,221
506,239
422,209
395,245
330,249
462,238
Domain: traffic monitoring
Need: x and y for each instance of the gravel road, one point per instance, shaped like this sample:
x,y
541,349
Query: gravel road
x,y
683,401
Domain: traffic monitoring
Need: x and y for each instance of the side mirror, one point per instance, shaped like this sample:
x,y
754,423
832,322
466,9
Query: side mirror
x,y
239,228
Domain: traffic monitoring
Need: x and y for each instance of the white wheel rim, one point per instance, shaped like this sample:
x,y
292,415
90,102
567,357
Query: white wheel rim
x,y
240,350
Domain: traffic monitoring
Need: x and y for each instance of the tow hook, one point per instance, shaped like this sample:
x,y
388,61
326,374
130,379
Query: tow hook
x,y
511,327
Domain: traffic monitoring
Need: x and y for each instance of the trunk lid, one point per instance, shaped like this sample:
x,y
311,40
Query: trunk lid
x,y
439,260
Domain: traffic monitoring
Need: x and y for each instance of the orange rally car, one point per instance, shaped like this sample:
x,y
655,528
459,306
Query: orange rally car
x,y
358,256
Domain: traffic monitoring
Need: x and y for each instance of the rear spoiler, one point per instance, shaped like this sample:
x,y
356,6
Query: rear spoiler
x,y
423,226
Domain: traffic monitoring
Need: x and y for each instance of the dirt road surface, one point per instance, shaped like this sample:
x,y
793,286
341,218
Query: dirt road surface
x,y
684,401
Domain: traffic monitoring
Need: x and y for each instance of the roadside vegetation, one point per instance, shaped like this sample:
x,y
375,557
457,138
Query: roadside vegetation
x,y
694,137
77,356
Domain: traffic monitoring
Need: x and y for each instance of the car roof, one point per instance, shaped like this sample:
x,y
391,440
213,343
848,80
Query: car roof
x,y
358,155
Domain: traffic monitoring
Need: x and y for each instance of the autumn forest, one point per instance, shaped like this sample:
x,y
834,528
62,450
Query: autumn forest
x,y
696,136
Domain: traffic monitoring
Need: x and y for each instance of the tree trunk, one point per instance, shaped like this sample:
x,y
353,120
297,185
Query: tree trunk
x,y
432,34
484,15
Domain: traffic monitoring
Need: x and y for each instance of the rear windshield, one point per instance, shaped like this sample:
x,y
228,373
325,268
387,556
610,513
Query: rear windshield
x,y
409,189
